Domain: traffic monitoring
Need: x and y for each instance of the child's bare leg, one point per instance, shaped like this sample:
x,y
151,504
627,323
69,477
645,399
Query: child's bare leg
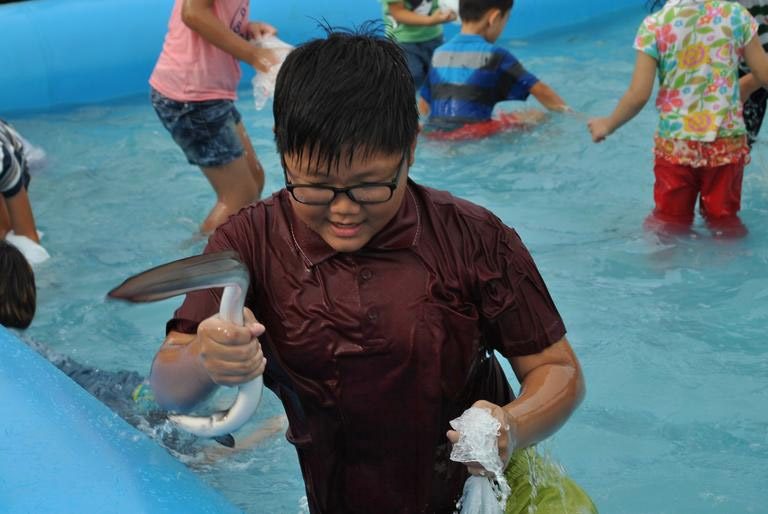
x,y
5,219
235,188
268,429
257,171
22,219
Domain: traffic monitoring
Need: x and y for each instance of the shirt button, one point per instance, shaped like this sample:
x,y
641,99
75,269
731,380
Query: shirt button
x,y
366,274
373,314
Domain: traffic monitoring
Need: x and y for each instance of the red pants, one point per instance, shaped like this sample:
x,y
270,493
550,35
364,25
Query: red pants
x,y
678,186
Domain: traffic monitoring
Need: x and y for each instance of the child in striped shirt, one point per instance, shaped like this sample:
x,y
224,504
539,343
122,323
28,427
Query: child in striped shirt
x,y
470,75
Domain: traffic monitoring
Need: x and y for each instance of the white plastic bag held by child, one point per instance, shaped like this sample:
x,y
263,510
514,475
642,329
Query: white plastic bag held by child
x,y
478,432
264,83
450,5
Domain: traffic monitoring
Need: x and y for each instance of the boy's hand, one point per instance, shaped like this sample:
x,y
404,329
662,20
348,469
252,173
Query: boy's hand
x,y
441,16
600,128
506,440
229,353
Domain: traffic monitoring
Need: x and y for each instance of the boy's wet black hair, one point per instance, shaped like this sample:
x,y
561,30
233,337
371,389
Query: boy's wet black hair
x,y
347,93
18,296
473,10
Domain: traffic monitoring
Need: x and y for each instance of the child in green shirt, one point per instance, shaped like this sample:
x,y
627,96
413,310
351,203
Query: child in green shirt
x,y
416,25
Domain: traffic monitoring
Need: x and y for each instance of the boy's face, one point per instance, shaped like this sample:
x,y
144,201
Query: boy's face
x,y
345,225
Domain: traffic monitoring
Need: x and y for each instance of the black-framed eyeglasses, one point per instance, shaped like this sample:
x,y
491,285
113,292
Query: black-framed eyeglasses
x,y
363,194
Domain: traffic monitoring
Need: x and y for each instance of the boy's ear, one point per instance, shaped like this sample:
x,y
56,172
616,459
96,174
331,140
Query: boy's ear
x,y
413,147
494,15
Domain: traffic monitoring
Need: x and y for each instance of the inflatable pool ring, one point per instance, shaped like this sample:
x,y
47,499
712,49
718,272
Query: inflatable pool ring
x,y
482,129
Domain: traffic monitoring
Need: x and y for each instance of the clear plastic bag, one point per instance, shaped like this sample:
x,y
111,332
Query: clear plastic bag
x,y
264,82
478,432
450,5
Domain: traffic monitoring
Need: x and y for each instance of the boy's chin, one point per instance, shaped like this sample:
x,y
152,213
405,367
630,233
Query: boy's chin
x,y
346,245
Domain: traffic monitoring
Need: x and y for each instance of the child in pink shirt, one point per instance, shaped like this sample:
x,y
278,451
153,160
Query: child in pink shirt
x,y
194,85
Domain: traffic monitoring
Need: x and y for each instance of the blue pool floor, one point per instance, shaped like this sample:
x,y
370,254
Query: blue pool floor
x,y
670,332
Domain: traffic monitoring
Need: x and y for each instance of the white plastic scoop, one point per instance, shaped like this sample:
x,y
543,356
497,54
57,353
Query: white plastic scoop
x,y
202,272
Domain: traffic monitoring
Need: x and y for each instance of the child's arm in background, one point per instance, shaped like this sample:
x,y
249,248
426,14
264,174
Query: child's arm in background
x,y
548,98
407,17
631,103
22,219
748,84
199,17
757,60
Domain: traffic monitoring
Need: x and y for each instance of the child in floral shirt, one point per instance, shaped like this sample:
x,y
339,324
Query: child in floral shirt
x,y
701,143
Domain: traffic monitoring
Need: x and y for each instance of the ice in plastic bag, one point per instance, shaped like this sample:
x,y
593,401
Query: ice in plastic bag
x,y
264,83
450,5
478,432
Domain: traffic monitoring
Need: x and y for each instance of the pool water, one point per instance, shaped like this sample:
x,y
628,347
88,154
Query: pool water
x,y
670,332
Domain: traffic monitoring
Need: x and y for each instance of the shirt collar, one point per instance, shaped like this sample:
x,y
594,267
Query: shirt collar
x,y
402,231
469,37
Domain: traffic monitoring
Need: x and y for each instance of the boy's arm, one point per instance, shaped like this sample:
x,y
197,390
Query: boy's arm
x,y
552,386
631,103
188,367
401,14
199,17
20,212
548,98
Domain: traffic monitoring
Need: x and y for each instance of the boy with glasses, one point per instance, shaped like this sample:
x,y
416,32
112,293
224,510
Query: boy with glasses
x,y
380,303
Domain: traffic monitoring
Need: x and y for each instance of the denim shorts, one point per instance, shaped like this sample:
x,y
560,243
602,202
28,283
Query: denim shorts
x,y
206,131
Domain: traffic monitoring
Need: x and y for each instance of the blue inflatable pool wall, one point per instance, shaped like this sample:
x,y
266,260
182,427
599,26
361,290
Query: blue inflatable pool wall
x,y
62,450
61,52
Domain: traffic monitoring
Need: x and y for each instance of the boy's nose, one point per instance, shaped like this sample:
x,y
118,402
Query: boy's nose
x,y
343,204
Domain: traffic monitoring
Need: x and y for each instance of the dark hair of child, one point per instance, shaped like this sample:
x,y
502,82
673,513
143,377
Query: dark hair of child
x,y
18,295
368,100
655,4
473,10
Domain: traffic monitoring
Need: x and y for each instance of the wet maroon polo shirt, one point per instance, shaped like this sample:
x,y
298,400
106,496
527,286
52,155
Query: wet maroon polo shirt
x,y
373,352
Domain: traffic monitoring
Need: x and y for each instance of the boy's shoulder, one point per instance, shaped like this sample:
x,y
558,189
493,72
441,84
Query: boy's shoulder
x,y
468,42
472,45
443,208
